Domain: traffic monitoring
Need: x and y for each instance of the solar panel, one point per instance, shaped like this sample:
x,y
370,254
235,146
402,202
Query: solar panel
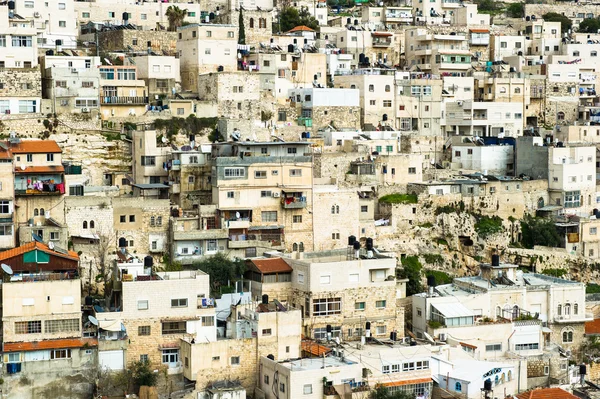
x,y
36,238
61,250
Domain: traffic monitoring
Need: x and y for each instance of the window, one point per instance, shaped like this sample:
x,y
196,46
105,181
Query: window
x,y
359,306
260,174
21,41
458,387
576,307
170,356
524,347
230,194
335,236
62,24
208,321
266,379
493,347
56,326
29,4
327,306
235,360
60,354
142,305
234,172
144,330
371,88
27,106
380,304
292,150
173,327
281,387
412,171
364,208
122,218
131,218
179,303
297,219
266,331
567,336
572,199
28,327
269,216
380,330
387,103
266,193
295,172
593,230
307,389
148,160
4,207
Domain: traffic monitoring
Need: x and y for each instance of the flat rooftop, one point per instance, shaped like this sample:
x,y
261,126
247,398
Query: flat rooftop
x,y
316,363
527,280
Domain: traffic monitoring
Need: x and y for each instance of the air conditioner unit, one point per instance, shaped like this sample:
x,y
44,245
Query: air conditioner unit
x,y
460,103
276,195
406,340
36,14
85,110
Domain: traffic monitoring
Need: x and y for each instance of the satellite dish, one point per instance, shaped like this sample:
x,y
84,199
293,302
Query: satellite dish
x,y
237,215
93,320
23,167
51,245
7,269
164,139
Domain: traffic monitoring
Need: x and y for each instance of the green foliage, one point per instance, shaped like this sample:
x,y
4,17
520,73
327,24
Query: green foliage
x,y
433,259
565,22
525,316
426,225
221,270
556,272
441,241
189,125
142,375
242,29
290,17
538,231
589,25
434,324
488,225
381,392
129,126
412,271
215,136
176,16
441,278
399,199
515,10
592,289
450,208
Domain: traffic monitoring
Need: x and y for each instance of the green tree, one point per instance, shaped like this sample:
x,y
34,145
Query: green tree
x,y
142,374
242,30
176,16
221,270
411,269
515,10
589,25
538,231
565,22
381,392
290,17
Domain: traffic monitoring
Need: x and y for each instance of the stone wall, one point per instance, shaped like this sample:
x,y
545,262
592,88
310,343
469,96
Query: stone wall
x,y
118,40
256,34
21,82
340,117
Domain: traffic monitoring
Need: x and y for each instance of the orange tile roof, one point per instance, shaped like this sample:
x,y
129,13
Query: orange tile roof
x,y
546,393
49,344
406,382
30,246
40,169
314,348
35,147
480,30
272,265
592,327
301,28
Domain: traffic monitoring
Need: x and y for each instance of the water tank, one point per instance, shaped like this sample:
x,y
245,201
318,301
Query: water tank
x,y
58,42
88,301
487,385
352,239
369,244
361,58
367,60
290,48
431,281
11,5
582,369
50,52
122,242
356,245
220,68
148,261
265,299
596,213
495,260
328,328
394,336
125,16
211,16
368,325
385,117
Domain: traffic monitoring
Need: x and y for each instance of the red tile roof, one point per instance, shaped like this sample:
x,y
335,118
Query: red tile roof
x,y
592,327
11,253
49,344
272,265
406,382
480,30
314,348
35,147
546,393
40,169
301,28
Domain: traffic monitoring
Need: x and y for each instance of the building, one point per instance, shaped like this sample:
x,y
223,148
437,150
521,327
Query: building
x,y
325,107
122,94
232,95
160,73
493,159
7,200
41,319
21,38
437,53
55,21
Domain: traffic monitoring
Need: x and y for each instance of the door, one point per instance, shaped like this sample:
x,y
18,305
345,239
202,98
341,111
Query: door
x,y
112,360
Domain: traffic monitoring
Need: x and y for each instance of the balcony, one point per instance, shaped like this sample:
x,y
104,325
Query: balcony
x,y
298,202
31,186
124,100
382,39
256,240
241,223
210,234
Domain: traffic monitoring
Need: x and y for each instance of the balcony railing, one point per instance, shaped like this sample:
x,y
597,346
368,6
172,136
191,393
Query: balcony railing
x,y
294,202
123,100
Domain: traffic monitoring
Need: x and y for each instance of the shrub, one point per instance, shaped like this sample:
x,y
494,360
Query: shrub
x,y
399,199
488,225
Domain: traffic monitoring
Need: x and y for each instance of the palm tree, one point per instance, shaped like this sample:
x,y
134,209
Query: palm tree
x,y
176,16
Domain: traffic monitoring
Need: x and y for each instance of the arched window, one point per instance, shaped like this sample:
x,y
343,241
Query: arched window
x,y
515,312
251,23
122,242
567,336
35,212
567,309
560,116
496,380
458,387
498,311
575,309
509,375
301,247
332,209
337,209
91,224
295,247
559,310
541,202
387,88
371,88
502,378
503,90
85,224
507,311
42,213
262,23
152,221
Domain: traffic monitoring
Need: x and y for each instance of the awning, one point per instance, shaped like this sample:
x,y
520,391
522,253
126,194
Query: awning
x,y
455,309
265,227
546,330
111,325
384,34
150,186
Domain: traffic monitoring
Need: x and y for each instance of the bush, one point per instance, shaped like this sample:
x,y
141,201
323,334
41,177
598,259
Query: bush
x,y
554,272
441,278
592,289
435,324
488,225
538,231
515,10
565,22
142,375
433,259
412,271
589,25
399,199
